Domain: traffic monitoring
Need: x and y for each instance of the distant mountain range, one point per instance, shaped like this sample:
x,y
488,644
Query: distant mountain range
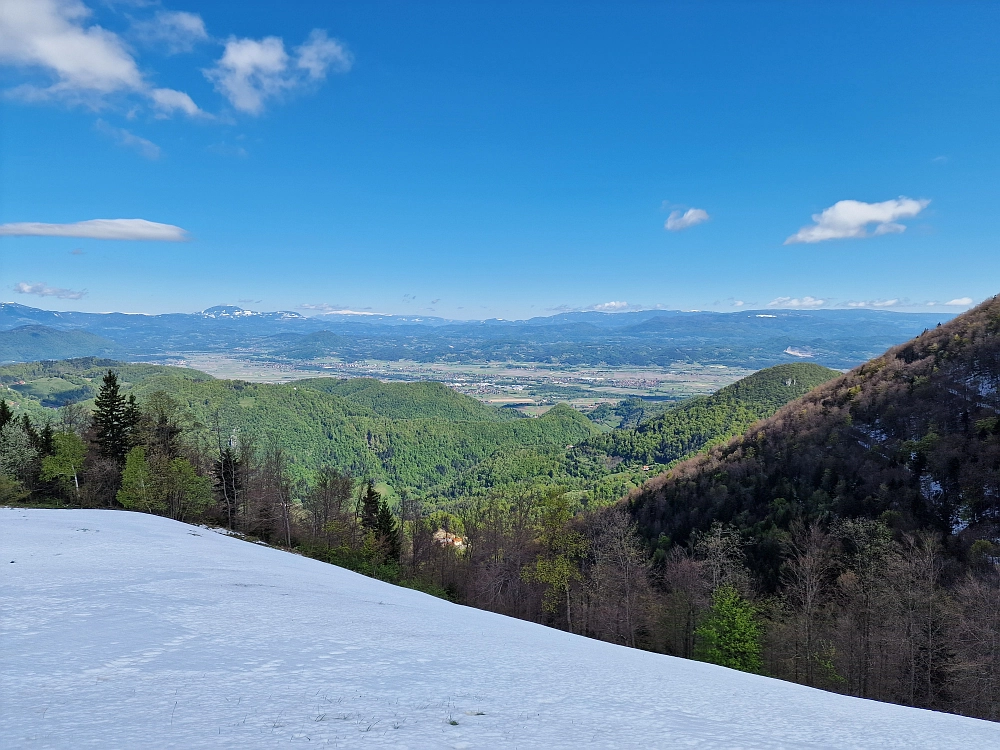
x,y
754,338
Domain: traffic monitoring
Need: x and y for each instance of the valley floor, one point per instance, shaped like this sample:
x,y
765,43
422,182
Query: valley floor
x,y
126,630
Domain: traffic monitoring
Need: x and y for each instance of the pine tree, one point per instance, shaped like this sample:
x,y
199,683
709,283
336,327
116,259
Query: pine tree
x,y
115,418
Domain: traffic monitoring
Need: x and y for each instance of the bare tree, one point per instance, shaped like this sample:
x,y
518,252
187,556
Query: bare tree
x,y
807,578
618,581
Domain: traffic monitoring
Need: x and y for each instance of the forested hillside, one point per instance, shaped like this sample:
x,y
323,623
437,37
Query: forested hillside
x,y
868,511
698,422
914,433
422,437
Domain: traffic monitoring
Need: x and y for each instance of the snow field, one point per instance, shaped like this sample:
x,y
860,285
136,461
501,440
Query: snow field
x,y
123,630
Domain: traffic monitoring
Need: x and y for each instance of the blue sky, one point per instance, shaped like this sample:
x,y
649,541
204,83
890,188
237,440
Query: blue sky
x,y
476,160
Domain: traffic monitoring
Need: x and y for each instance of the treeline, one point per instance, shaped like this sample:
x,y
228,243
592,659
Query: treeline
x,y
859,606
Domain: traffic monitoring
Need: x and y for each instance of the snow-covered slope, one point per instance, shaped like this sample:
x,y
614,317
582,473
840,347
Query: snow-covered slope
x,y
122,630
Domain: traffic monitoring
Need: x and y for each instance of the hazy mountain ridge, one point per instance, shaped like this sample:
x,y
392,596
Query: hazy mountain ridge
x,y
757,339
30,342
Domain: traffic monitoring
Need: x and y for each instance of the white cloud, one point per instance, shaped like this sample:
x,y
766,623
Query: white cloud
x,y
319,53
124,138
43,290
167,101
960,302
682,220
178,31
87,63
874,303
99,229
252,71
850,219
797,302
50,34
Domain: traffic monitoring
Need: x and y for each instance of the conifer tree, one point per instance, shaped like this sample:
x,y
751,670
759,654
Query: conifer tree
x,y
376,516
115,417
5,413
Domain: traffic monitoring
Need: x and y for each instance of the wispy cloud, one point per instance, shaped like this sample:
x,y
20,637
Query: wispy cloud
x,y
43,290
851,219
227,149
806,302
614,306
129,140
679,220
252,71
177,31
874,303
960,301
84,63
99,229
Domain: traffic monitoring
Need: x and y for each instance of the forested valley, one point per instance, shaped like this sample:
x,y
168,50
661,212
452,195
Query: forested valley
x,y
847,556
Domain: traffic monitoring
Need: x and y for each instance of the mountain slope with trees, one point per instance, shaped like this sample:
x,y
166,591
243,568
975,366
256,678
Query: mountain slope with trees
x,y
914,434
862,524
699,422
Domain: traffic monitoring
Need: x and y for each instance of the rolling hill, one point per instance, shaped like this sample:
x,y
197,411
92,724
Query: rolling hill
x,y
129,630
604,467
409,434
33,342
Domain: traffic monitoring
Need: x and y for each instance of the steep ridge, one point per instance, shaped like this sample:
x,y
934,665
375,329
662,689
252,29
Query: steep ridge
x,y
911,437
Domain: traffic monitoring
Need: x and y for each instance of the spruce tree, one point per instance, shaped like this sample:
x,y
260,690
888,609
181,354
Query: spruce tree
x,y
377,516
369,506
6,415
115,418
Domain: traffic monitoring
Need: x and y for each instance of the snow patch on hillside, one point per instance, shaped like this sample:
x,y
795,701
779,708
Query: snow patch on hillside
x,y
126,630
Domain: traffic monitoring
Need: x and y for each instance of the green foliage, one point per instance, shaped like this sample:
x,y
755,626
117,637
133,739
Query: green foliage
x,y
421,400
141,488
731,634
66,461
562,547
189,494
18,454
12,490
